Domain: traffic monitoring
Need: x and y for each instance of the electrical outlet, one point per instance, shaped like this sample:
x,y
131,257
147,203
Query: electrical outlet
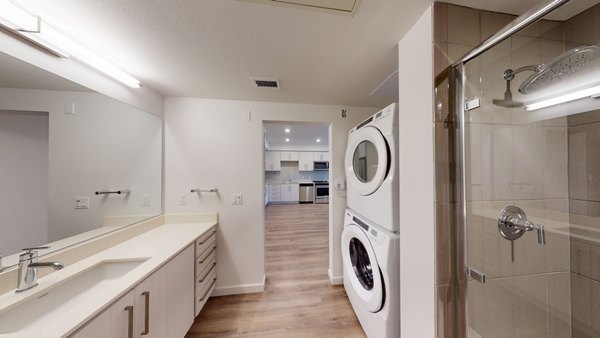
x,y
82,202
146,199
237,199
182,199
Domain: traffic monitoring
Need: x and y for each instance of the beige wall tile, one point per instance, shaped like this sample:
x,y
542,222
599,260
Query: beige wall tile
x,y
444,218
499,311
442,102
578,163
555,165
595,262
559,305
441,60
440,22
580,257
553,30
444,177
583,28
492,22
581,305
463,25
445,311
530,306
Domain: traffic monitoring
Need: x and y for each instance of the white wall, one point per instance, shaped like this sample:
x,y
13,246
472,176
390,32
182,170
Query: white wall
x,y
417,235
207,143
106,144
144,98
23,179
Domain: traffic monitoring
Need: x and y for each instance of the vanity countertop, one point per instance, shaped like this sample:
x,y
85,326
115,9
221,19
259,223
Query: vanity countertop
x,y
159,245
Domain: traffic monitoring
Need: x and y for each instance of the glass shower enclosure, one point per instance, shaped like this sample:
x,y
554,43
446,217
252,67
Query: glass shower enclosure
x,y
528,111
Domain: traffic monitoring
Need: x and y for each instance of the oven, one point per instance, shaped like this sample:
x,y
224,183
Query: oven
x,y
321,192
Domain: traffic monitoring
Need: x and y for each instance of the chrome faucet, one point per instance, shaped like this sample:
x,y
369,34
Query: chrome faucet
x,y
28,262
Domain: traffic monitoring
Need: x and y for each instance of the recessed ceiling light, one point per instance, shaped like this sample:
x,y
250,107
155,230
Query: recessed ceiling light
x,y
318,140
287,140
287,130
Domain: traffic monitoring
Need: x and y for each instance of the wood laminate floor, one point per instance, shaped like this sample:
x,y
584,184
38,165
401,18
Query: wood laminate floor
x,y
298,301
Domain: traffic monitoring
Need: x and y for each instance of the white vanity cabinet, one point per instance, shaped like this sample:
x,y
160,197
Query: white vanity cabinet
x,y
206,268
117,321
272,160
160,306
306,161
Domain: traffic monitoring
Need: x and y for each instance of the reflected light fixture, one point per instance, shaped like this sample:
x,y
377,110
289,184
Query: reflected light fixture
x,y
318,140
580,94
32,28
287,130
287,140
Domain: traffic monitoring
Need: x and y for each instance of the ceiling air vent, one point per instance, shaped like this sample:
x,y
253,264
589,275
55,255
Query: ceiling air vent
x,y
265,83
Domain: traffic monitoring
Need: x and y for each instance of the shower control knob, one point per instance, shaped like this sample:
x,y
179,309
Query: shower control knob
x,y
513,223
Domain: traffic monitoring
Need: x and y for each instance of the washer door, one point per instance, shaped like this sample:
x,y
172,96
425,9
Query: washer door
x,y
367,160
361,268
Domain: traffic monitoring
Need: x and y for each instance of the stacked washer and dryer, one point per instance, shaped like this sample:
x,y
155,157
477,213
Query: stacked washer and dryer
x,y
370,241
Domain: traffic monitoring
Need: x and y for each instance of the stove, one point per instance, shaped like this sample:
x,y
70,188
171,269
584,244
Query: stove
x,y
321,192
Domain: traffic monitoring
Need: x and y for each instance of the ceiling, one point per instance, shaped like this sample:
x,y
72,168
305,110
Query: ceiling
x,y
301,136
18,74
211,48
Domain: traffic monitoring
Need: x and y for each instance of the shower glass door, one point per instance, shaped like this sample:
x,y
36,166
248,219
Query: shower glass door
x,y
532,180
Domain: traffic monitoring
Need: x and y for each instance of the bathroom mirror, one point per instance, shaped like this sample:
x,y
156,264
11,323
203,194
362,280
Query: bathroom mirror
x,y
60,143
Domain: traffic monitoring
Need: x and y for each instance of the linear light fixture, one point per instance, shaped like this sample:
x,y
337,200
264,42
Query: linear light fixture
x,y
580,94
22,22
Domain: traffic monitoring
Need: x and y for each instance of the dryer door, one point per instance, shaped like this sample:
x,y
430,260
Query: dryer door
x,y
367,161
361,268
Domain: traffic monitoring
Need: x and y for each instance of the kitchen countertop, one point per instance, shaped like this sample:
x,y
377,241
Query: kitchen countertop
x,y
159,245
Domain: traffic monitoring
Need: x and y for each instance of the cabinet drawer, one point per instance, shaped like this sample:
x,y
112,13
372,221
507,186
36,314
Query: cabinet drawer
x,y
205,262
205,282
203,243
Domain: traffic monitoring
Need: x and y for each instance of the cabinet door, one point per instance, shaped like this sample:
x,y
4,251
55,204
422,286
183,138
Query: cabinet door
x,y
117,321
289,156
272,160
306,161
321,156
274,192
180,295
285,194
150,312
294,192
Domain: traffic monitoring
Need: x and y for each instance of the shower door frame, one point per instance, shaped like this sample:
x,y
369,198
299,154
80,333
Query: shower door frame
x,y
457,79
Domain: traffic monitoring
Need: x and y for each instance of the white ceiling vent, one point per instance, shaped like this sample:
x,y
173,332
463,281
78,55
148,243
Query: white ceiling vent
x,y
336,5
265,83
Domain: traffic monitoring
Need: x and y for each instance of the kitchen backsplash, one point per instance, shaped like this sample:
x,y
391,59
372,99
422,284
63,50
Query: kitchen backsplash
x,y
289,172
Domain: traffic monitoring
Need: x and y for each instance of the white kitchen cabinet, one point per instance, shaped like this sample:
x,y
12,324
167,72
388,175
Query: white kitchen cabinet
x,y
274,192
306,161
289,156
116,321
272,160
319,156
290,192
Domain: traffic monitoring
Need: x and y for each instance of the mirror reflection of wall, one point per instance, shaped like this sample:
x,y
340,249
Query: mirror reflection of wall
x,y
59,143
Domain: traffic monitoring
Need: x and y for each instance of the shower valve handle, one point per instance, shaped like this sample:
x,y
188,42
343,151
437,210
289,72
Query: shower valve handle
x,y
513,224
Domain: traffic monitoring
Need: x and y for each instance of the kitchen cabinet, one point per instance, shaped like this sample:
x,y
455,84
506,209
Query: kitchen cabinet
x,y
116,321
319,156
272,160
160,306
290,192
289,156
306,161
274,192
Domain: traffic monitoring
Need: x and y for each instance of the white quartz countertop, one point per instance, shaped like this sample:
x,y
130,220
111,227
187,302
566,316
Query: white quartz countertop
x,y
158,245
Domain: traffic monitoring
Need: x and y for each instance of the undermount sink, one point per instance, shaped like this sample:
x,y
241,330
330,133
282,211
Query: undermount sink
x,y
52,302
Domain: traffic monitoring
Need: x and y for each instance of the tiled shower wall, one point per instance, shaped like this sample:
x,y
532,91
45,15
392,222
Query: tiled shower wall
x,y
545,288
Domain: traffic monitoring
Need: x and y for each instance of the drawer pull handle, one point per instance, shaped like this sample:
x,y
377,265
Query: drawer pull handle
x,y
129,309
211,285
202,261
200,243
208,271
147,314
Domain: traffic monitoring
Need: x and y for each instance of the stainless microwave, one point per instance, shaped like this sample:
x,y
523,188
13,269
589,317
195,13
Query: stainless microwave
x,y
321,165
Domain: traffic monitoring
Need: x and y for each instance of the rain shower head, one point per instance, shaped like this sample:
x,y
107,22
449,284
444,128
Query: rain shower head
x,y
558,69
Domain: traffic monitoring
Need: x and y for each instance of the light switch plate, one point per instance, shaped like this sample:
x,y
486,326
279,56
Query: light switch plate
x,y
182,199
147,200
237,199
82,202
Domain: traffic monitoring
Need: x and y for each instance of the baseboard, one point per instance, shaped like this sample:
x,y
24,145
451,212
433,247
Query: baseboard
x,y
337,280
239,289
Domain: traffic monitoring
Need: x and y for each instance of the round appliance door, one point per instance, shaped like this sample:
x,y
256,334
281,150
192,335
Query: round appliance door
x,y
361,268
367,160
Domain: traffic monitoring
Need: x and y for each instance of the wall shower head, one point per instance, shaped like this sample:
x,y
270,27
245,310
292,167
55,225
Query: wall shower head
x,y
559,68
507,101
